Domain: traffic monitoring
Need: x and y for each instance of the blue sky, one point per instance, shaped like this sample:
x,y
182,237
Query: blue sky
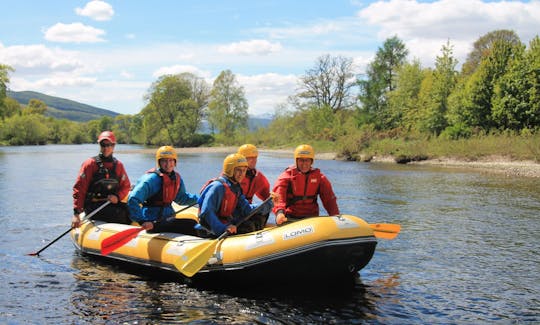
x,y
108,53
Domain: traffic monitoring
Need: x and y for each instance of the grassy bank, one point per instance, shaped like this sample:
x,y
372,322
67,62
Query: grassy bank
x,y
511,147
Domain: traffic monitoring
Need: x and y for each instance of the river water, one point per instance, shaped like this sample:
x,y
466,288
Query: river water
x,y
468,252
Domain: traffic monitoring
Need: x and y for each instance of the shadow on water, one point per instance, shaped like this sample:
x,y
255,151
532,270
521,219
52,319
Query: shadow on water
x,y
122,292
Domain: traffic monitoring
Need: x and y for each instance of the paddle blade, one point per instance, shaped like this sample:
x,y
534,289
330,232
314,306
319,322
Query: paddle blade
x,y
385,230
118,240
194,259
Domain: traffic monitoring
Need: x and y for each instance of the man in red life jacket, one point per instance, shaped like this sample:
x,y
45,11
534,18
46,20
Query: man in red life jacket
x,y
255,183
299,187
150,200
222,205
101,178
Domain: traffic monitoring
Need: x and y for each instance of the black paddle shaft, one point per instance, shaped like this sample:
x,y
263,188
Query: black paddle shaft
x,y
253,212
65,233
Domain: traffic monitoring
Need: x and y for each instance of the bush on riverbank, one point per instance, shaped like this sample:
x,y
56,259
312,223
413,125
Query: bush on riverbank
x,y
414,147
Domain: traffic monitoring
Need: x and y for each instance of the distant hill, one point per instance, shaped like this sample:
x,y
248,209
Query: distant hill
x,y
62,108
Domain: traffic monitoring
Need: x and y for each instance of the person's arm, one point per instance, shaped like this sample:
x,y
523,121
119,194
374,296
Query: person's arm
x,y
328,198
263,186
209,204
145,188
183,197
280,188
80,188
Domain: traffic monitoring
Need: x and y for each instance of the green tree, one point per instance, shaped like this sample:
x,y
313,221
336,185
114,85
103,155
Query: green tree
x,y
11,107
25,130
380,79
174,110
403,100
482,48
228,107
4,81
329,83
435,93
35,106
471,105
516,103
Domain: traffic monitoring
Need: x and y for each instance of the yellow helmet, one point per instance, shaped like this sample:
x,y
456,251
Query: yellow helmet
x,y
165,152
304,151
231,162
248,150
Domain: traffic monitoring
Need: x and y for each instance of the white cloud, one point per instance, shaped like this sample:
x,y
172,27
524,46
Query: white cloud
x,y
265,91
126,74
252,47
39,59
425,27
74,33
176,69
97,10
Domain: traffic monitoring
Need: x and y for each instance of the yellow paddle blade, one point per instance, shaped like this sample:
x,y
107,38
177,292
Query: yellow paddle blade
x,y
385,230
194,259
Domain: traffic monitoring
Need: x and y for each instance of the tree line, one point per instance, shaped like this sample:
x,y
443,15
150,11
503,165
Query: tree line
x,y
497,90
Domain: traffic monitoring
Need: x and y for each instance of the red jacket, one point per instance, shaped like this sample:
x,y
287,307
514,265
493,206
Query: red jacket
x,y
255,184
86,173
298,193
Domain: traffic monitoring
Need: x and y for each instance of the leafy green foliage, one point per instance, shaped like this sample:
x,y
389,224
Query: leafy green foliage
x,y
228,107
381,77
174,110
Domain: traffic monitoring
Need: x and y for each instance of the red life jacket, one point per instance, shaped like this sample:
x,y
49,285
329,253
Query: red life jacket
x,y
303,188
169,189
230,199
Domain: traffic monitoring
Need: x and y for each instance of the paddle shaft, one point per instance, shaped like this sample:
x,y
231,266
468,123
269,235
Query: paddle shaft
x,y
253,212
65,233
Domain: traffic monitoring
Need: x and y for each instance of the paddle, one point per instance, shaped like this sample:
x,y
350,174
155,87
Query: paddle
x,y
194,259
90,215
385,230
112,243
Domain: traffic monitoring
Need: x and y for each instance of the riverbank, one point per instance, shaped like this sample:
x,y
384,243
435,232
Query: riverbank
x,y
491,164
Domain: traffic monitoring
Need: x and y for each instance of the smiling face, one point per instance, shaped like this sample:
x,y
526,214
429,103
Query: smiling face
x,y
304,164
167,164
107,148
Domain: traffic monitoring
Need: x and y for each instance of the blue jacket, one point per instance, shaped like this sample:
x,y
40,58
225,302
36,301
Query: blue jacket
x,y
147,186
210,203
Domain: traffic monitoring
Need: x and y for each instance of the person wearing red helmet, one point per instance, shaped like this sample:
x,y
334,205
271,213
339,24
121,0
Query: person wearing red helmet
x,y
299,187
101,178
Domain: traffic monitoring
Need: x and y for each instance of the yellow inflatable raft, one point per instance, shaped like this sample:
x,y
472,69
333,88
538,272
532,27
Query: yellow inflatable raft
x,y
312,247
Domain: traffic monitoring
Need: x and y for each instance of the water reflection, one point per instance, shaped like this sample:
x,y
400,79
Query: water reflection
x,y
122,294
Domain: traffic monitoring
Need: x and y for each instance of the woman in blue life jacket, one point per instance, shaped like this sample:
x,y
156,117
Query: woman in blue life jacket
x,y
222,205
150,200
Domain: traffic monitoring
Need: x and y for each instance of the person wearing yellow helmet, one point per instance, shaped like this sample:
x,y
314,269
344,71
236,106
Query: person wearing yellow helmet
x,y
150,200
255,183
101,178
222,205
300,185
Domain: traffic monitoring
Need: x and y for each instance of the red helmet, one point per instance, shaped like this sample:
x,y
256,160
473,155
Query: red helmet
x,y
106,135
